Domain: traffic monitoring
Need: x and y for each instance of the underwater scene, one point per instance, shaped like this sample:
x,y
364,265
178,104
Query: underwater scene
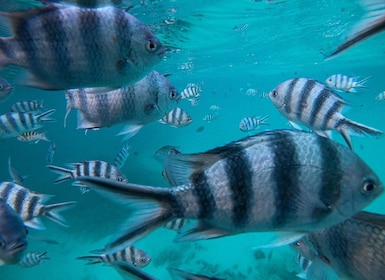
x,y
175,139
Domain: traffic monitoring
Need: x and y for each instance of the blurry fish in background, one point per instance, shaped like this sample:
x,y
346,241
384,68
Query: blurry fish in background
x,y
50,153
13,124
210,117
27,106
176,224
345,83
13,235
215,108
78,57
251,92
33,136
241,27
162,156
15,175
314,270
29,205
131,255
380,96
5,89
191,92
312,104
144,102
121,156
372,23
32,259
252,123
178,274
177,118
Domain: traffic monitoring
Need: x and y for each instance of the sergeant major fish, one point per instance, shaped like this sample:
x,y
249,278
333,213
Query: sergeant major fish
x,y
121,156
67,47
5,89
345,83
177,118
311,103
252,123
278,180
32,259
33,136
27,106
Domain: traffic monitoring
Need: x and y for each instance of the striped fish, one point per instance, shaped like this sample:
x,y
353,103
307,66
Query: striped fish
x,y
27,106
67,47
279,180
131,255
32,136
162,155
121,156
311,103
32,259
13,124
29,205
345,83
252,123
176,224
191,91
380,96
177,118
210,117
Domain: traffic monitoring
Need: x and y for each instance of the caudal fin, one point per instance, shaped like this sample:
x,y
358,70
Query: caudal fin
x,y
91,259
65,174
41,117
50,211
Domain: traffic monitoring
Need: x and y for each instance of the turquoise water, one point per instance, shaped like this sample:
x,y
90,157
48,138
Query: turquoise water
x,y
282,40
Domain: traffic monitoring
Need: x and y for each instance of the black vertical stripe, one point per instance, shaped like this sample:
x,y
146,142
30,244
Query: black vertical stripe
x,y
13,122
285,175
329,115
98,168
121,26
21,195
33,203
6,190
289,94
317,105
204,196
108,172
31,120
3,126
132,254
304,96
23,120
86,168
78,170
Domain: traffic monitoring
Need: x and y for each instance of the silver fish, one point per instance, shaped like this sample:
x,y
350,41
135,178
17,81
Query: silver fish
x,y
184,275
210,117
30,205
27,106
279,180
32,259
15,175
252,123
121,156
13,124
33,136
177,118
131,255
190,92
13,235
67,47
144,102
176,224
346,83
50,153
311,103
380,96
5,89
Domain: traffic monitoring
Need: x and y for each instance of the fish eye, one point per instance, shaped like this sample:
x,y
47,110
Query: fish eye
x,y
173,94
143,260
368,186
151,46
274,93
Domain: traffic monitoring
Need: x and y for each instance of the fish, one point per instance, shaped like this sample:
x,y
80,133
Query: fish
x,y
67,47
144,102
314,270
27,106
177,118
161,155
33,136
32,259
128,271
13,235
176,224
372,23
184,275
215,108
380,96
345,83
353,249
50,153
241,27
15,175
13,124
6,89
281,180
210,117
252,123
121,156
131,255
312,104
192,93
30,205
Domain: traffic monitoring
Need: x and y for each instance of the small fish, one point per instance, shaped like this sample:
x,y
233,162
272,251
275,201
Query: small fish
x,y
312,104
215,108
252,123
306,182
32,136
191,92
78,58
177,118
50,153
15,175
162,155
380,96
345,83
29,205
241,27
13,235
184,275
210,117
251,92
5,89
131,255
13,124
121,156
32,259
176,224
27,106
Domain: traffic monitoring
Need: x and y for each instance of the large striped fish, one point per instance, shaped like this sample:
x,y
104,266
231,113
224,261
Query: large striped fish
x,y
313,104
274,181
67,47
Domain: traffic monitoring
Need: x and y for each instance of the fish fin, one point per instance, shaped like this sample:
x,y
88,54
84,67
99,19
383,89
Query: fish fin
x,y
49,212
91,259
324,133
361,83
129,271
69,94
35,223
371,218
99,90
129,131
281,239
41,117
65,173
202,231
83,123
318,270
295,125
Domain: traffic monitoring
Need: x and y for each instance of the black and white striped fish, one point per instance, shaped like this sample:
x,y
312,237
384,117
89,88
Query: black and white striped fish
x,y
121,156
252,123
33,136
29,205
13,124
279,180
67,47
313,104
32,259
162,156
210,117
131,255
191,91
345,83
27,106
177,118
176,224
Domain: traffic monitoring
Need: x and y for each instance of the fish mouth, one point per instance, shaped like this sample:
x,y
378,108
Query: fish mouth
x,y
18,247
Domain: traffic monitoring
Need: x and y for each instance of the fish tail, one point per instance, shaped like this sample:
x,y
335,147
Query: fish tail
x,y
154,207
65,173
41,117
70,104
91,259
361,83
49,212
